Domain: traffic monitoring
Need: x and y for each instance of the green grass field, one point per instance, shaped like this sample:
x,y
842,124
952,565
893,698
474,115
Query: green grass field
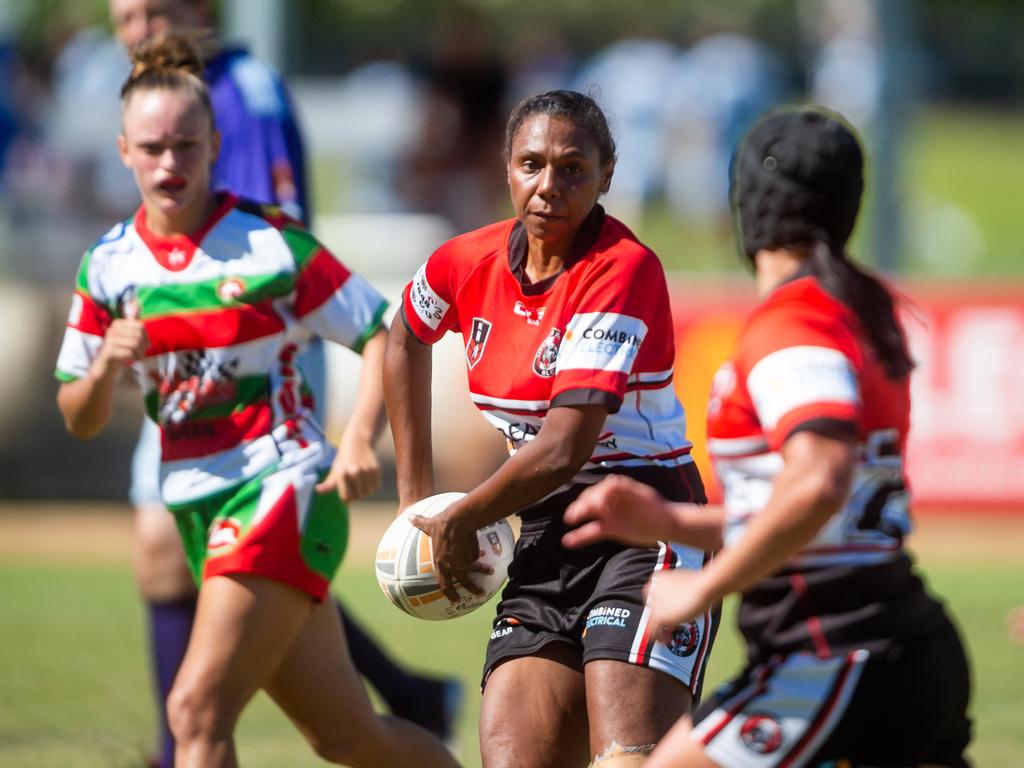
x,y
74,690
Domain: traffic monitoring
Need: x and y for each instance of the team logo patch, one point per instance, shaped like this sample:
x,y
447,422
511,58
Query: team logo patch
x,y
761,734
547,354
229,290
602,341
478,335
200,379
504,628
685,639
495,543
224,534
429,307
533,315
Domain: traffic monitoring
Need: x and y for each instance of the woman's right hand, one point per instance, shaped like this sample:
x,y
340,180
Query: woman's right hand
x,y
622,509
124,343
456,552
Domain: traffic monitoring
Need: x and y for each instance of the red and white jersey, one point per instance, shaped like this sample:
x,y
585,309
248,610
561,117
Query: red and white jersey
x,y
598,332
226,311
800,362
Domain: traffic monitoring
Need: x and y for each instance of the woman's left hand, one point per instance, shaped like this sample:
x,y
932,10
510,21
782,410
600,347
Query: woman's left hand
x,y
676,598
456,553
355,472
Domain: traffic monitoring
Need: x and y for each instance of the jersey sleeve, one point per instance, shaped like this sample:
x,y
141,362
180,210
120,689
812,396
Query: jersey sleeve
x,y
87,323
330,300
428,303
801,372
610,329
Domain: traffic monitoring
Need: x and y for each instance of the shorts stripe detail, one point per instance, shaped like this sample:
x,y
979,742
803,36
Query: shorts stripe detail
x,y
831,710
813,622
640,651
698,663
740,702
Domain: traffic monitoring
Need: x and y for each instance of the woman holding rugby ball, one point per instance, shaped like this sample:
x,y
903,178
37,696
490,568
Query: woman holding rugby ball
x,y
569,345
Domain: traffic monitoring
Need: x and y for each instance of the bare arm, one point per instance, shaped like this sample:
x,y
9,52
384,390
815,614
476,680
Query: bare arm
x,y
407,371
623,509
812,486
355,472
564,443
88,403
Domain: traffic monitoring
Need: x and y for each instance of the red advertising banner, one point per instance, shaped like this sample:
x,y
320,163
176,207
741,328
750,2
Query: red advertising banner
x,y
966,447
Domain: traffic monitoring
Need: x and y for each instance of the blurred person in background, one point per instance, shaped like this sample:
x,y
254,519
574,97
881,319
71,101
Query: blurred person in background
x,y
850,660
261,158
209,299
568,340
451,168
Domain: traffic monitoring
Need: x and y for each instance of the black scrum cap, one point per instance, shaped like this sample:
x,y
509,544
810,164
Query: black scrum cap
x,y
796,179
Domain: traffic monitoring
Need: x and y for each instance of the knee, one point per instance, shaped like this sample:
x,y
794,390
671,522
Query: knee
x,y
195,715
364,745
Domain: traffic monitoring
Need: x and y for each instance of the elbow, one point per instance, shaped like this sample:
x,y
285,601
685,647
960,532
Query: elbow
x,y
831,488
562,461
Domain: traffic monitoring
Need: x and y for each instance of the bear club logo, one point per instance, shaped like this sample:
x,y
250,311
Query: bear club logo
x,y
685,639
231,289
761,734
478,336
224,534
547,354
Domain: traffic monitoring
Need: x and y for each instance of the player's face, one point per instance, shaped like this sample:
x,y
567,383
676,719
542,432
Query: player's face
x,y
555,177
136,20
169,143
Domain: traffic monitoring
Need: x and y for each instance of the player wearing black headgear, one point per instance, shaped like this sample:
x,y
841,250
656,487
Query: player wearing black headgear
x,y
851,661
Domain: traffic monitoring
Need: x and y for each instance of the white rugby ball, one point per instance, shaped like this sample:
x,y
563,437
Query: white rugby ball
x,y
405,563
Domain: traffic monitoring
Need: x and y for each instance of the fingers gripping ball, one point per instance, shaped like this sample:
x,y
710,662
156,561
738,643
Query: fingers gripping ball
x,y
405,563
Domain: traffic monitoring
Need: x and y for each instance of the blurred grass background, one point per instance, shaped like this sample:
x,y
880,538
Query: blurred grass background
x,y
74,691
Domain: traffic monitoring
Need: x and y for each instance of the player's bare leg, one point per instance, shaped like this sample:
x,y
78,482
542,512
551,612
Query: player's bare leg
x,y
677,748
534,712
158,559
244,627
630,709
319,689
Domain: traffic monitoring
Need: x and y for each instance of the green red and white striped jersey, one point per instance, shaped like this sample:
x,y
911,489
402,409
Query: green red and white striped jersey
x,y
226,310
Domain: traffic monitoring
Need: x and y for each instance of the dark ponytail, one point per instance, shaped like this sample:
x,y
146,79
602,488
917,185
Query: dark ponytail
x,y
796,182
870,301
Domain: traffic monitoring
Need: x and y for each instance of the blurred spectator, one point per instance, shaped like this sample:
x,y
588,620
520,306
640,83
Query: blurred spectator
x,y
450,169
628,79
719,87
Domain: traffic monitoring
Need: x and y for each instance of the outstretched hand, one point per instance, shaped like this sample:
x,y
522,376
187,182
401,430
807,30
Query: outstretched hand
x,y
676,597
354,473
622,509
456,553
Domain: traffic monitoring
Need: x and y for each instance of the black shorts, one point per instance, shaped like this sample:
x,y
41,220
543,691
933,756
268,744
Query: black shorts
x,y
900,705
593,600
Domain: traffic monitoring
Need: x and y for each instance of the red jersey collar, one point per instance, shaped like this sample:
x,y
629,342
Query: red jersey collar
x,y
175,252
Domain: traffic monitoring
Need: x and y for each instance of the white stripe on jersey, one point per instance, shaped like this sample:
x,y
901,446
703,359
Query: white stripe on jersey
x,y
347,314
510,405
600,341
77,352
428,305
727,447
796,376
651,377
